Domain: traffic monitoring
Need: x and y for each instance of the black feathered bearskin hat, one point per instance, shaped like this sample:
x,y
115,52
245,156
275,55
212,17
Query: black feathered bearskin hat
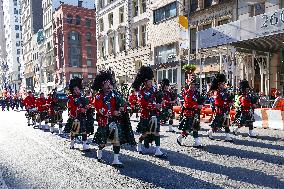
x,y
101,77
145,73
244,84
219,78
164,82
74,82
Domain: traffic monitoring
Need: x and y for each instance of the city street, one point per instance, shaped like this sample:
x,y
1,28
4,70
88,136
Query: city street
x,y
32,158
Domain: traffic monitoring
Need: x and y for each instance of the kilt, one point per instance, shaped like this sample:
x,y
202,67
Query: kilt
x,y
219,121
167,114
144,125
82,130
127,134
103,135
245,118
190,123
56,118
42,116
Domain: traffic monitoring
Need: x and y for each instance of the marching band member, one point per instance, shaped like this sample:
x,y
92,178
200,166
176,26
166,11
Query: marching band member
x,y
247,102
150,103
42,110
29,103
169,99
190,121
108,105
222,103
133,102
77,107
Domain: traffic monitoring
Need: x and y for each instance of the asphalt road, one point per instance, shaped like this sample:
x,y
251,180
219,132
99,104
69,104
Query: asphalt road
x,y
32,158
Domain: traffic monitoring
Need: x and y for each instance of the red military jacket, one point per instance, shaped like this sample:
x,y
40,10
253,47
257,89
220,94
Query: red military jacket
x,y
133,99
41,104
103,108
245,102
222,101
166,99
148,102
29,102
190,102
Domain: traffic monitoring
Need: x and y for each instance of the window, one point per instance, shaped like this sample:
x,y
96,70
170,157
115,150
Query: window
x,y
89,63
15,3
74,51
69,19
18,59
171,74
110,20
17,35
88,36
193,5
102,49
101,24
18,51
111,49
88,22
18,43
16,11
135,37
89,52
257,9
80,3
135,8
72,75
165,12
166,53
16,19
78,20
90,76
143,35
17,27
143,6
122,42
193,40
121,14
207,3
110,1
224,21
101,3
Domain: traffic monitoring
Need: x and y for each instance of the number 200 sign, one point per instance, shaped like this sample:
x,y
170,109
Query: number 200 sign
x,y
273,19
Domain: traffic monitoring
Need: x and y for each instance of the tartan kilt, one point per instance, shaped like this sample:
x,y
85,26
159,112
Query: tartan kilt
x,y
82,130
245,118
143,126
42,116
103,133
166,114
127,134
219,121
57,117
190,123
31,114
90,125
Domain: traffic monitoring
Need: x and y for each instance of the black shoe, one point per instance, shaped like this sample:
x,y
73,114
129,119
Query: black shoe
x,y
72,148
179,143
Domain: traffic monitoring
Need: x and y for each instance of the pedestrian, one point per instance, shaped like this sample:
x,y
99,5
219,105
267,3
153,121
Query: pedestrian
x,y
107,104
190,122
222,103
77,107
150,103
246,104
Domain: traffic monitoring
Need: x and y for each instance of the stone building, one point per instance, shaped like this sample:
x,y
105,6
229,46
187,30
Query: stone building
x,y
254,44
74,37
122,27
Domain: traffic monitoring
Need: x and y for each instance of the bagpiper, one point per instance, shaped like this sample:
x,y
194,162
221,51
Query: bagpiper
x,y
190,121
133,102
41,105
245,112
108,103
150,103
222,104
29,103
169,99
77,107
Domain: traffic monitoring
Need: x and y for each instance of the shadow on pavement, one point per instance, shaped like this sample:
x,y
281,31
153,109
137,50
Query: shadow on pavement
x,y
257,144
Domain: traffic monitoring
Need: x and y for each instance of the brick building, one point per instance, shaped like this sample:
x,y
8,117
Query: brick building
x,y
74,44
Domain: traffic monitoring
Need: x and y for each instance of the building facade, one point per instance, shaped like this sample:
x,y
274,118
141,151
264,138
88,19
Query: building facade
x,y
74,44
122,27
31,23
254,41
13,40
2,49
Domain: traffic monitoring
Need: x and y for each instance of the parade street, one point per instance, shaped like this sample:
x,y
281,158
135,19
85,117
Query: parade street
x,y
32,158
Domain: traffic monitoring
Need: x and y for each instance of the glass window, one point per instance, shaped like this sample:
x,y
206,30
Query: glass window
x,y
193,40
165,12
135,8
224,21
193,5
69,19
88,36
90,76
121,14
16,11
207,3
143,6
160,76
89,63
74,51
122,42
88,22
18,51
143,35
110,20
17,27
257,9
111,48
164,74
207,26
175,75
16,19
135,37
101,24
170,75
17,35
18,43
166,53
78,20
89,52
